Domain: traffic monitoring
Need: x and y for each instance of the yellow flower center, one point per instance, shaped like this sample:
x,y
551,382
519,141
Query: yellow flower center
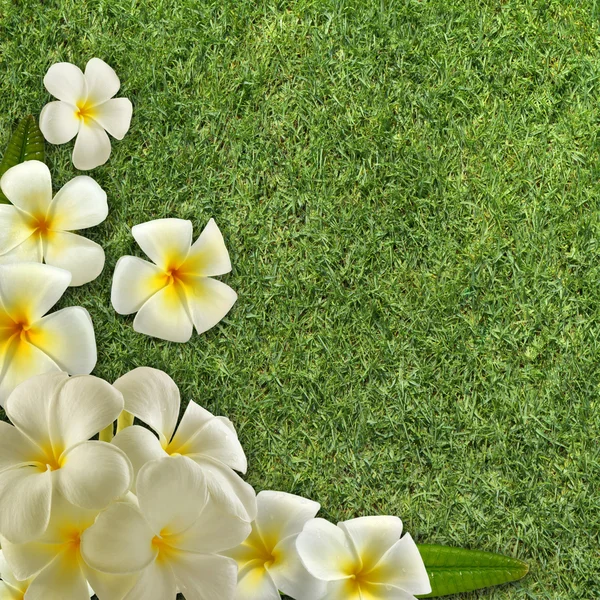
x,y
165,549
84,111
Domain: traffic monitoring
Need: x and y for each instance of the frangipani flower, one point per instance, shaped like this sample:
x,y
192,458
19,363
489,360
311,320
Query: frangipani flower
x,y
173,538
48,451
363,559
85,109
31,344
175,294
10,587
52,566
210,442
38,228
268,560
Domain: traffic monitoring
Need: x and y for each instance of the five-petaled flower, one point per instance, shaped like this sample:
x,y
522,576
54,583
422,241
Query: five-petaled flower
x,y
38,228
268,560
86,109
31,344
210,442
173,537
47,451
363,558
176,293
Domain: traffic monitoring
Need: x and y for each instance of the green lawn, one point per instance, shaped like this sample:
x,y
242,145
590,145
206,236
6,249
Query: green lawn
x,y
410,194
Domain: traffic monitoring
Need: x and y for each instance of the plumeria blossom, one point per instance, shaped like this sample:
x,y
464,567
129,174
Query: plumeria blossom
x,y
363,559
268,560
31,343
86,109
52,567
38,227
173,537
10,587
177,292
47,451
210,442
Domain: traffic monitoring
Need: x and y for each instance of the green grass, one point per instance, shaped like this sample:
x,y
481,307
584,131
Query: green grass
x,y
410,194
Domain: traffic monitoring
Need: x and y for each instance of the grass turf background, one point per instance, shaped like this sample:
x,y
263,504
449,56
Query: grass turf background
x,y
409,193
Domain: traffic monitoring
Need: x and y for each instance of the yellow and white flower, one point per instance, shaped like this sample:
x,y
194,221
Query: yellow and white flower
x,y
86,109
31,343
47,451
363,559
10,587
210,442
38,228
52,567
177,292
173,537
268,561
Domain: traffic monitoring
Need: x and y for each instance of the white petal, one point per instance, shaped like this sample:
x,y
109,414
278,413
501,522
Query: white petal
x,y
134,281
281,515
30,290
83,258
92,146
140,445
66,82
290,575
205,577
166,242
28,186
25,499
156,582
216,530
402,566
9,593
22,361
26,560
255,582
28,407
325,550
208,255
6,574
194,418
108,587
114,116
153,397
14,228
80,203
102,81
84,406
372,537
209,301
67,337
227,488
165,316
59,580
15,448
31,250
59,122
120,541
93,474
215,440
171,492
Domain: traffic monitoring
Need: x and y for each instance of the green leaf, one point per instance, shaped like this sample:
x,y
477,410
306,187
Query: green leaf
x,y
26,143
454,570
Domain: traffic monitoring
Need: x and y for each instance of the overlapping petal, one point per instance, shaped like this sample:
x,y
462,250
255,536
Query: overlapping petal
x,y
92,146
59,122
79,204
135,280
165,241
28,186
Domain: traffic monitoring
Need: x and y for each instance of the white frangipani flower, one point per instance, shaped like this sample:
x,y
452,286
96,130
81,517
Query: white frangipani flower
x,y
31,344
38,228
363,559
268,560
10,587
210,442
173,537
47,451
86,109
177,292
52,566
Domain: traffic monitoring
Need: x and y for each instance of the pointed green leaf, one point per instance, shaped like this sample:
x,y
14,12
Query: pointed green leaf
x,y
26,143
454,570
